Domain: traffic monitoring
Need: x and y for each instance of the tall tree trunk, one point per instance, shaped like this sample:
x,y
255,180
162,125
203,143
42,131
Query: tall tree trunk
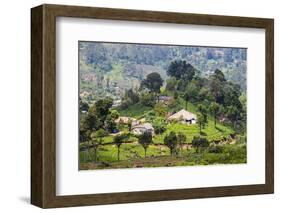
x,y
89,154
118,153
215,120
95,153
145,152
180,149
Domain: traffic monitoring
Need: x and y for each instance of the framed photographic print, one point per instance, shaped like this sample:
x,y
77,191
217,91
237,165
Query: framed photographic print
x,y
136,106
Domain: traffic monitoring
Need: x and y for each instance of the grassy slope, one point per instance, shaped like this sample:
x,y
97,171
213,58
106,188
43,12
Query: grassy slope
x,y
210,131
132,155
136,110
190,131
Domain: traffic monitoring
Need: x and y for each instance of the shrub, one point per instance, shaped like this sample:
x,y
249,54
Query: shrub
x,y
147,99
199,142
215,149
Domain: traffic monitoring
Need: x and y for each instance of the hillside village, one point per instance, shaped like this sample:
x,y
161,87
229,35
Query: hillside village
x,y
139,127
175,117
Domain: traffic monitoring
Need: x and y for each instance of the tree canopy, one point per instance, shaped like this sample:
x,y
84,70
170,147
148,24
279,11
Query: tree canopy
x,y
153,82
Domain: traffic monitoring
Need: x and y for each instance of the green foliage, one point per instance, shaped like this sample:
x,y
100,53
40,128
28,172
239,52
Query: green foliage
x,y
171,84
181,70
147,99
171,142
214,110
201,121
181,140
160,109
153,82
114,75
96,141
205,96
192,91
132,95
145,140
136,110
199,142
118,140
203,110
83,106
101,108
215,149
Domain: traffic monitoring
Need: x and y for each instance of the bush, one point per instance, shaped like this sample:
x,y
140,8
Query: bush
x,y
125,104
199,142
159,129
241,139
147,99
215,149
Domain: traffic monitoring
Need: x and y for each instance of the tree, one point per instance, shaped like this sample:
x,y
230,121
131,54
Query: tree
x,y
217,82
201,121
186,97
145,140
203,110
171,84
232,114
89,122
101,108
110,124
199,142
159,125
147,99
160,109
171,142
190,93
181,140
214,109
218,74
130,124
231,95
205,95
83,106
153,82
181,70
96,141
118,140
132,95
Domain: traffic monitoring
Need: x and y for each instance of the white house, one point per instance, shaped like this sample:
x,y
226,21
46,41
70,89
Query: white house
x,y
184,117
142,128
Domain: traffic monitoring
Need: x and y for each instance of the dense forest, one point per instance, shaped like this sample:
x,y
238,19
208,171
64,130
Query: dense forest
x,y
147,106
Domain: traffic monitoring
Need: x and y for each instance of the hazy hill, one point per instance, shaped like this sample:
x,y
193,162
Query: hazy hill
x,y
109,68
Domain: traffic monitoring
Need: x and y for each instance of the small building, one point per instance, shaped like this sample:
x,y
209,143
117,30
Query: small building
x,y
165,99
116,103
183,116
127,120
142,128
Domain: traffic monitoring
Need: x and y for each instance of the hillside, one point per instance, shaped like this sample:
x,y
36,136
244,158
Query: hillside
x,y
147,106
122,66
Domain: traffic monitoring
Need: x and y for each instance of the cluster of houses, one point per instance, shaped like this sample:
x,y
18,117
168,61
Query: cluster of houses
x,y
138,127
